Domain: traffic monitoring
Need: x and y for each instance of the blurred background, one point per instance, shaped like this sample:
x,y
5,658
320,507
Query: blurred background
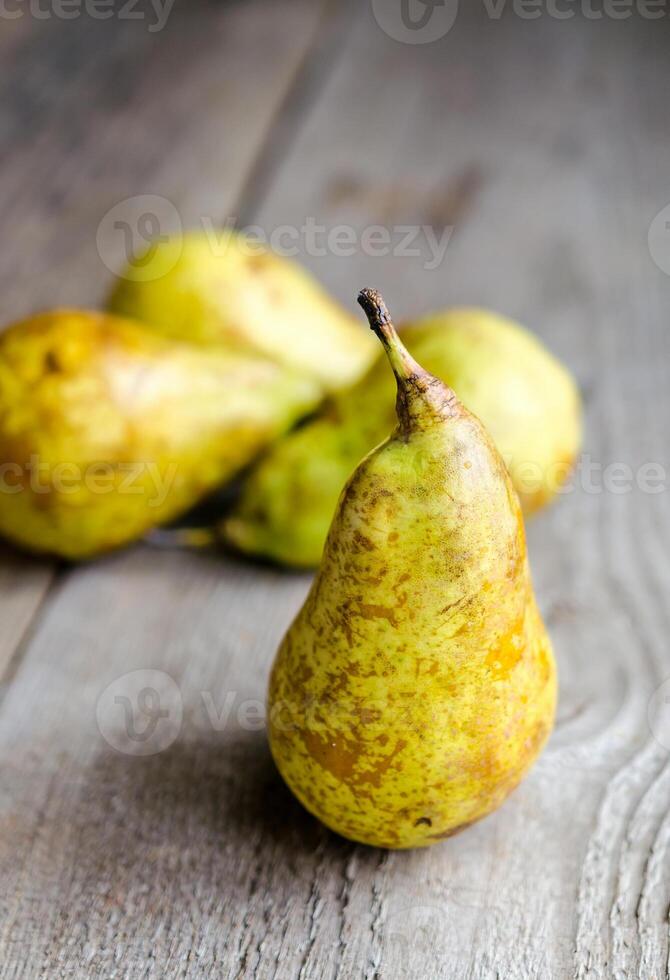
x,y
509,155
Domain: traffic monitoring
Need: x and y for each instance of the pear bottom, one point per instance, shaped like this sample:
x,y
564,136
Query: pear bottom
x,y
424,777
418,767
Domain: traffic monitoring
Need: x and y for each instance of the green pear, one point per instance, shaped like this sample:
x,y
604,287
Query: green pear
x,y
525,397
107,430
417,686
228,289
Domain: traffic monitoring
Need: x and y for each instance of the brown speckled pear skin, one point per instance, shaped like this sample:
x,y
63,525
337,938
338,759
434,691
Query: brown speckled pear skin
x,y
417,685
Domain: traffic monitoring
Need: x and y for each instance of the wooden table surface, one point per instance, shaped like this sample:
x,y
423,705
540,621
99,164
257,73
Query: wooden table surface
x,y
544,144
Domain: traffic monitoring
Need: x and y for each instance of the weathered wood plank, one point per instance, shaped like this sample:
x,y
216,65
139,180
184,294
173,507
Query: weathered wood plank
x,y
543,143
96,111
181,114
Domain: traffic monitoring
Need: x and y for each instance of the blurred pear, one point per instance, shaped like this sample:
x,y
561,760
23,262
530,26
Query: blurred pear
x,y
209,289
107,430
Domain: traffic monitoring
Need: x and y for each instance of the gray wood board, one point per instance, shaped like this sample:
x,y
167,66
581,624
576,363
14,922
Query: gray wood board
x,y
76,96
545,145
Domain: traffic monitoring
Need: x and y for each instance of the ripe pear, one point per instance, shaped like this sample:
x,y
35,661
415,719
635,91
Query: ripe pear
x,y
107,429
209,289
525,397
417,685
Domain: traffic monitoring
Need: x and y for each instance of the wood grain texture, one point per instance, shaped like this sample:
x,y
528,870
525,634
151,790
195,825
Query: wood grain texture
x,y
545,144
76,94
24,585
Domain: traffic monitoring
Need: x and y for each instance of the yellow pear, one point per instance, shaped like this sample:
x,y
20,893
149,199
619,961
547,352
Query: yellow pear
x,y
226,288
417,685
107,430
525,397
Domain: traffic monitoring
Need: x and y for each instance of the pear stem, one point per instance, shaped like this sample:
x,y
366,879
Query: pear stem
x,y
422,398
403,364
